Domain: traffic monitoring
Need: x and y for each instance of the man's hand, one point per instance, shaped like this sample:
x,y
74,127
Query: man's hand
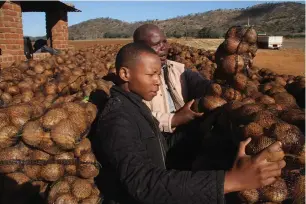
x,y
184,115
253,172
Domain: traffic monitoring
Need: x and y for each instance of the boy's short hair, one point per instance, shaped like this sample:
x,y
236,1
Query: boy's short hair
x,y
129,54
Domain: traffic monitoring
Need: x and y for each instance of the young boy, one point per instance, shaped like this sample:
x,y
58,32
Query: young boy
x,y
131,148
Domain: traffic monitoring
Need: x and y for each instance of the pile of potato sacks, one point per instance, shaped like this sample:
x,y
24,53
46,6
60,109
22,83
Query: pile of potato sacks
x,y
44,123
260,107
44,119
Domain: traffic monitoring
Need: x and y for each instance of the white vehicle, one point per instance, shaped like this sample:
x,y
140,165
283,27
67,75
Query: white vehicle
x,y
272,42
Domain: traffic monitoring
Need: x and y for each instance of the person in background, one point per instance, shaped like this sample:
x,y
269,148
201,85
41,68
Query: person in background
x,y
41,46
28,48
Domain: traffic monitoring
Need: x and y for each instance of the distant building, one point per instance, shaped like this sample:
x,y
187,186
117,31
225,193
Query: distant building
x,y
11,32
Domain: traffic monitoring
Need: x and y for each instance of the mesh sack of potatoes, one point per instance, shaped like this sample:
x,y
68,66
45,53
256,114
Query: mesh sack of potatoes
x,y
26,173
35,124
15,185
288,187
71,189
261,119
236,53
265,128
61,128
40,165
12,120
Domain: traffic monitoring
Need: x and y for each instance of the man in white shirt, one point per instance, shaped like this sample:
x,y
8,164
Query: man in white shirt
x,y
178,90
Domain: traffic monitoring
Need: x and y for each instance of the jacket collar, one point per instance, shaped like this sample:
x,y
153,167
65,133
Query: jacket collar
x,y
169,64
117,91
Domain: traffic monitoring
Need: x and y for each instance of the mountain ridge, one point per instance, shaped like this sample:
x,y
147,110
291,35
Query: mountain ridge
x,y
285,18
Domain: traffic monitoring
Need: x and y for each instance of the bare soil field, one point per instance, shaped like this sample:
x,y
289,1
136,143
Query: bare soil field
x,y
288,60
85,43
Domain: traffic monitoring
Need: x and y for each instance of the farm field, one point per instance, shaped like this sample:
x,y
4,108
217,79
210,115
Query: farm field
x,y
289,60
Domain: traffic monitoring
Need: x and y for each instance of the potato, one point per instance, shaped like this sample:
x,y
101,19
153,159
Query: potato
x,y
4,120
264,118
290,136
93,199
32,170
52,172
33,133
57,189
214,90
240,81
66,199
67,157
12,90
20,114
81,189
8,154
249,196
232,94
232,64
27,95
235,46
83,147
6,98
88,170
277,192
38,68
252,130
65,134
8,136
53,117
212,102
91,111
50,88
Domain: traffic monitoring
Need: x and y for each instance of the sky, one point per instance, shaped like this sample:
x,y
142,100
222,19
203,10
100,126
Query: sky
x,y
129,11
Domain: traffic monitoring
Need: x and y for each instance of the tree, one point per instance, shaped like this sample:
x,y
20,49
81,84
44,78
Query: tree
x,y
176,34
207,32
115,35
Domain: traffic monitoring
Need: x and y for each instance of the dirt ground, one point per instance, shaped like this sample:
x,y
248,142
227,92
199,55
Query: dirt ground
x,y
290,59
85,43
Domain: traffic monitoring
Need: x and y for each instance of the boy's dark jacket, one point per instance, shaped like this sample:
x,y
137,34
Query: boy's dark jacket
x,y
132,151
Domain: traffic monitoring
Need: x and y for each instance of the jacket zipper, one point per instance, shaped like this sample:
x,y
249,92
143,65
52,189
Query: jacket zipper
x,y
161,145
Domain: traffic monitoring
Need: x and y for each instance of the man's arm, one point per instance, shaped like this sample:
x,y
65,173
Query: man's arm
x,y
196,84
169,121
148,183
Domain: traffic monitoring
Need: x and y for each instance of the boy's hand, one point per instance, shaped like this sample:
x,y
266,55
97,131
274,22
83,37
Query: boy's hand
x,y
253,172
184,115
